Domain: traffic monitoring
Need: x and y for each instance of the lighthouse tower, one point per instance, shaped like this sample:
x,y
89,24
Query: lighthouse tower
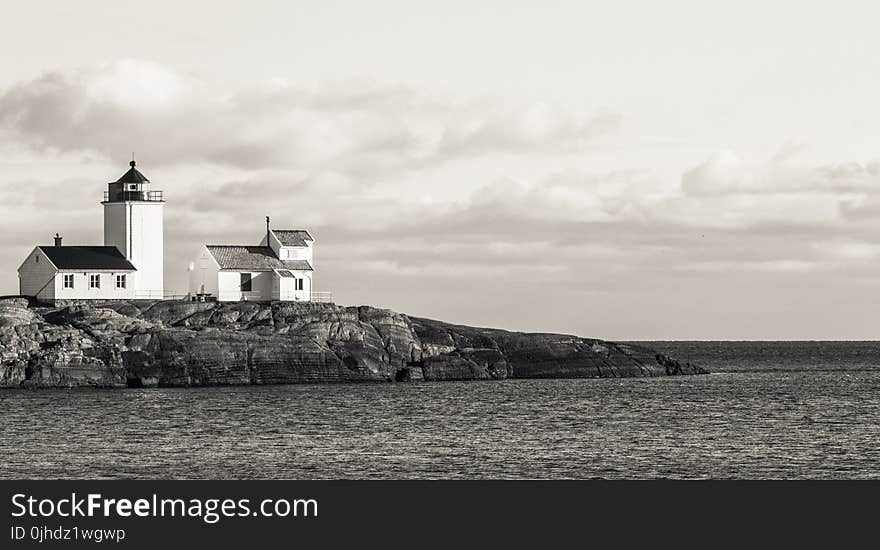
x,y
133,215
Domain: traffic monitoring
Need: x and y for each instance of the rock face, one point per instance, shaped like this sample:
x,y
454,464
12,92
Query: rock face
x,y
175,343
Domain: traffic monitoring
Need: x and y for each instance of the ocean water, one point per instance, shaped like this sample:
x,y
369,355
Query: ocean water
x,y
769,410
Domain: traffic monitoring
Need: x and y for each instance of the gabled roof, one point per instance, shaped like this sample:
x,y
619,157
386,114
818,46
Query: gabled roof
x,y
133,175
293,237
87,257
254,258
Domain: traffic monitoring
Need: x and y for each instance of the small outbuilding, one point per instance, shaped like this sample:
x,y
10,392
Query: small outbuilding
x,y
52,273
279,268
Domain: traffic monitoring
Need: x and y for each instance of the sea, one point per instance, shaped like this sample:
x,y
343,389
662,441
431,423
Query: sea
x,y
769,410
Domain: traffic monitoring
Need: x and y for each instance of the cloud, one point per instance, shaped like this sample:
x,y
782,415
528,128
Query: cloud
x,y
354,126
789,150
536,127
853,250
725,173
778,266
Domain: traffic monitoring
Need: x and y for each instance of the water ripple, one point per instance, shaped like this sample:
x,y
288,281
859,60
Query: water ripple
x,y
782,423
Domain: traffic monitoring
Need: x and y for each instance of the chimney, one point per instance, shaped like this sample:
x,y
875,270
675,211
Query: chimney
x,y
57,239
268,243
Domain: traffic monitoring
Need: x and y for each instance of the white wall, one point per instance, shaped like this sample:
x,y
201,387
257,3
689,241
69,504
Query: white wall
x,y
287,288
107,291
148,251
36,276
296,253
229,283
205,272
136,229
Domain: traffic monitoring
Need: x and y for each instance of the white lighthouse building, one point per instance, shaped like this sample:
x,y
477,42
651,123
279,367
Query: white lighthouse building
x,y
133,216
129,265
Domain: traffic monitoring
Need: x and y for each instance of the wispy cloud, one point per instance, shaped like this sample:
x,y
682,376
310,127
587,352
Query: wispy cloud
x,y
352,126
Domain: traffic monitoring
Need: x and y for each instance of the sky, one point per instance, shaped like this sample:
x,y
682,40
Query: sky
x,y
620,170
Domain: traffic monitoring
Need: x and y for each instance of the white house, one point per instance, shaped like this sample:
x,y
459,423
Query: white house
x,y
279,268
130,264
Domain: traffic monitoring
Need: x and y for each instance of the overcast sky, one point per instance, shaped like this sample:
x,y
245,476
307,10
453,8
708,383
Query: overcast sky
x,y
621,170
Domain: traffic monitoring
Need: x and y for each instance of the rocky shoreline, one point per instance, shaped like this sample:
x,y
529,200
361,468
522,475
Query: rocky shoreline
x,y
176,343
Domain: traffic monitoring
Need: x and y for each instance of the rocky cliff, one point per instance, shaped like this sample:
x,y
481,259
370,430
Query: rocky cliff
x,y
175,343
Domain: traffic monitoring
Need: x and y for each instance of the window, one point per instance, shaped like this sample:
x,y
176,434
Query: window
x,y
95,280
36,259
246,285
67,280
299,284
120,281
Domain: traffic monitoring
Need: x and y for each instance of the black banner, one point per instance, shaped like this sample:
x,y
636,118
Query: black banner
x,y
258,514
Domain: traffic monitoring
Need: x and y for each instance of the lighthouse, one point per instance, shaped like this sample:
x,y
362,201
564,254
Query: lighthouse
x,y
133,218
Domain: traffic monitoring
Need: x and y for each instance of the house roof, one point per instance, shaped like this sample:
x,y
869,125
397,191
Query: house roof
x,y
254,258
87,257
133,175
293,237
